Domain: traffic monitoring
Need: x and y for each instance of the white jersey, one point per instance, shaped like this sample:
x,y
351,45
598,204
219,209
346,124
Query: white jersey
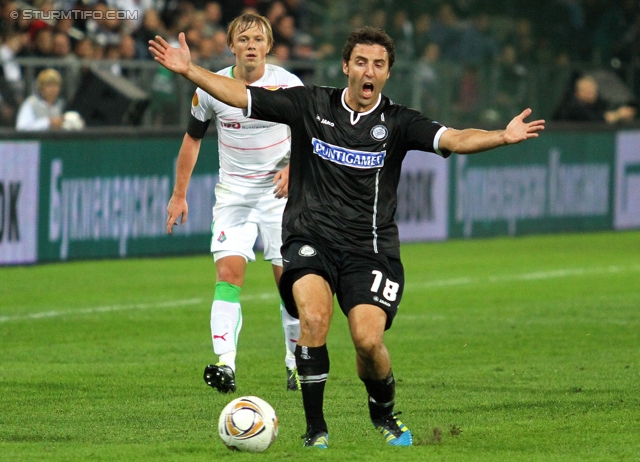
x,y
251,151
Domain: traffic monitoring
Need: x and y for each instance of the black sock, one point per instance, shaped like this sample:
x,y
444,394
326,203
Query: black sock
x,y
382,395
313,369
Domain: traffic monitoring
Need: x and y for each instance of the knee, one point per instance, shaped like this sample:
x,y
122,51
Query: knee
x,y
314,327
228,274
367,346
314,321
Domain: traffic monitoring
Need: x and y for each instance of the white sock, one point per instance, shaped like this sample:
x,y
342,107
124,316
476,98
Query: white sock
x,y
229,359
291,328
226,322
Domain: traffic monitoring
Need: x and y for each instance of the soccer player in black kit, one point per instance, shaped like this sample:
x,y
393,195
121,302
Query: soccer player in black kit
x,y
339,233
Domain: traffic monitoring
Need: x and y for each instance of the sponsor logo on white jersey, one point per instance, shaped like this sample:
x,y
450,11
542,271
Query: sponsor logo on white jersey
x,y
348,157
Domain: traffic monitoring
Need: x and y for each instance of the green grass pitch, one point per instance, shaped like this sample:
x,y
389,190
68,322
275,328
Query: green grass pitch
x,y
509,349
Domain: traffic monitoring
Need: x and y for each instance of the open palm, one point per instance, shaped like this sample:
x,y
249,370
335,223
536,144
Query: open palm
x,y
518,130
175,59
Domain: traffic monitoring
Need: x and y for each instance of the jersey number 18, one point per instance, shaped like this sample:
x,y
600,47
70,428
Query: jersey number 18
x,y
390,291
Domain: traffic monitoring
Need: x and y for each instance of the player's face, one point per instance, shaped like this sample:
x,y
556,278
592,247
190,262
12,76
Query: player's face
x,y
250,47
367,72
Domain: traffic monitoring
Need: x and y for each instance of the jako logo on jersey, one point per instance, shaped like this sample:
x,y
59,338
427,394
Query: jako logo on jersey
x,y
379,132
348,157
306,251
326,122
230,124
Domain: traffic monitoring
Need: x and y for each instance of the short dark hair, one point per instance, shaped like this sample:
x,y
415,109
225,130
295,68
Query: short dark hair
x,y
369,36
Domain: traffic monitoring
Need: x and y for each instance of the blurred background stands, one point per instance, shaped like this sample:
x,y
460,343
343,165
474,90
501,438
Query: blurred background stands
x,y
462,62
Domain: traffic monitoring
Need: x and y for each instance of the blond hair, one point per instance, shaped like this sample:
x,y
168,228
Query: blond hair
x,y
47,77
247,21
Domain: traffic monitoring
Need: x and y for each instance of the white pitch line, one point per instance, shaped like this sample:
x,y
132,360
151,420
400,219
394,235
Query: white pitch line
x,y
136,306
101,309
537,275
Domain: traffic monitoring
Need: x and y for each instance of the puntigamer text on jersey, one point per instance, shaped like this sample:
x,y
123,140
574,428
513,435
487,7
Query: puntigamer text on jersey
x,y
348,157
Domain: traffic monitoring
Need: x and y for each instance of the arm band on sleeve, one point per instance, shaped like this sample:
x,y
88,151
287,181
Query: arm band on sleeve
x,y
197,128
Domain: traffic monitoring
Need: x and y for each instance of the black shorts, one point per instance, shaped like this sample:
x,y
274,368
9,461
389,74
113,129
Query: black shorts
x,y
355,277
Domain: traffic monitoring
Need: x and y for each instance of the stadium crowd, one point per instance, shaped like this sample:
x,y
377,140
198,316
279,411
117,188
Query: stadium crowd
x,y
512,36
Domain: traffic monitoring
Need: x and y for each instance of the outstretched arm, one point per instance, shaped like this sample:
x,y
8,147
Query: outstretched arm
x,y
178,60
471,140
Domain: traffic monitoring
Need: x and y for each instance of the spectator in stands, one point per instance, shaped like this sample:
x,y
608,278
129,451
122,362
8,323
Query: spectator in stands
x,y
43,110
284,31
586,106
61,45
467,102
429,81
99,49
522,39
42,43
213,19
280,54
8,24
13,45
140,7
65,59
609,34
275,11
84,49
207,50
301,13
422,32
510,84
127,47
378,19
220,48
445,31
105,31
194,39
477,45
8,104
403,35
151,26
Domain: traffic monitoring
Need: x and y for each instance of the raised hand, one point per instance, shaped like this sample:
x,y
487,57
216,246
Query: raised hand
x,y
175,59
518,130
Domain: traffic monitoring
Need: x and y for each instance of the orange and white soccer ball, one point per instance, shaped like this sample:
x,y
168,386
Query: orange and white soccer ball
x,y
248,424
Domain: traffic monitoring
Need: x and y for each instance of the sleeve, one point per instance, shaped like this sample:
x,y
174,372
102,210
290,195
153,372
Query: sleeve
x,y
201,113
282,106
27,120
423,134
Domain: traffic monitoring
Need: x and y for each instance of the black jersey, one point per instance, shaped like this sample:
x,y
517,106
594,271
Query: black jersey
x,y
345,165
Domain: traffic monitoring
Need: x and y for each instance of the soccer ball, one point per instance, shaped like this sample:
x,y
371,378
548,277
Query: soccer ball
x,y
248,424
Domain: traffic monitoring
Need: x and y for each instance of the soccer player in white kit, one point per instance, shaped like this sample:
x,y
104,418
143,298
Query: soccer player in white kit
x,y
254,156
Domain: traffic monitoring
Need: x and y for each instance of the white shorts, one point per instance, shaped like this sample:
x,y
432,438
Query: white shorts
x,y
239,214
